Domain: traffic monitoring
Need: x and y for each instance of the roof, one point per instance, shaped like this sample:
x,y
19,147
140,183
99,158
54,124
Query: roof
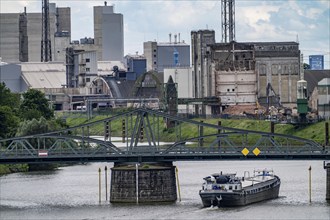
x,y
313,77
324,82
41,66
44,75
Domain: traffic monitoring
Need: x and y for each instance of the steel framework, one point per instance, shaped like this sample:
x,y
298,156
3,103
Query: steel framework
x,y
136,136
46,48
228,20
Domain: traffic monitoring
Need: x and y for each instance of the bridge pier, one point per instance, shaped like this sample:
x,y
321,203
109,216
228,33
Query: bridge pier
x,y
327,167
147,182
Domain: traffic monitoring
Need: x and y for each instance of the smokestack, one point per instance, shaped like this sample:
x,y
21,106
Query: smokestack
x,y
25,10
179,37
175,36
105,3
170,35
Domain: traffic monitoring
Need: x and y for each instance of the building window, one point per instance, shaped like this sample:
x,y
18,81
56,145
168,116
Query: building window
x,y
88,79
228,90
262,69
88,69
233,90
88,60
155,62
154,55
155,50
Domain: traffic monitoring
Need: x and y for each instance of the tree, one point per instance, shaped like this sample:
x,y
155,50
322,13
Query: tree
x,y
8,122
39,126
35,105
33,126
9,104
306,66
7,98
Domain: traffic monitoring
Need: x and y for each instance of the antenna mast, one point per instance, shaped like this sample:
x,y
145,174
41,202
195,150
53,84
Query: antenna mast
x,y
46,49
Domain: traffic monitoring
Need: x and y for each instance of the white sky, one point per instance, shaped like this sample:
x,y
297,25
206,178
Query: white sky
x,y
276,20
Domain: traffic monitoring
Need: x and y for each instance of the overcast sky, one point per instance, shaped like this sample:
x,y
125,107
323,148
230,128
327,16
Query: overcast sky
x,y
276,20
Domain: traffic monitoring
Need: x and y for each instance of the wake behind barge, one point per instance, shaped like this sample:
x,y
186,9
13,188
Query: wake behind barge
x,y
227,190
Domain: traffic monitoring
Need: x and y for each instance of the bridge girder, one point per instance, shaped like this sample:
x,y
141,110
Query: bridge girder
x,y
140,141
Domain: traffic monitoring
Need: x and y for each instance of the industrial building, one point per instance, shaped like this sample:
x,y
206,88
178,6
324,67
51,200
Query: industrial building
x,y
323,105
161,55
199,42
10,74
21,35
108,33
244,73
136,66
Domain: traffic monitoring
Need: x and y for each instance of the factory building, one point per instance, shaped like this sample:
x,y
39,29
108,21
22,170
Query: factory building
x,y
161,55
136,66
10,74
20,35
108,33
244,73
323,105
277,63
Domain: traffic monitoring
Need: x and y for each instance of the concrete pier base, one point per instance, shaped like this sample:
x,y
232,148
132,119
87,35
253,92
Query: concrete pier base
x,y
154,182
327,167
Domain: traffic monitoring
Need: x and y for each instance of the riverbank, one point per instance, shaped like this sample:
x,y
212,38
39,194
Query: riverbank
x,y
315,132
13,168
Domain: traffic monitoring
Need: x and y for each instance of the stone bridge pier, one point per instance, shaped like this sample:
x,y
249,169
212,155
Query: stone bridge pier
x,y
143,183
326,166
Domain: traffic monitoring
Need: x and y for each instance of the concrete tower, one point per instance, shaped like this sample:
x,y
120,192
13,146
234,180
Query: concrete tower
x,y
201,80
21,35
108,33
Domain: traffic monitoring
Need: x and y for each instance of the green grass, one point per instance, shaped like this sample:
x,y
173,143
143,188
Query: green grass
x,y
314,132
6,168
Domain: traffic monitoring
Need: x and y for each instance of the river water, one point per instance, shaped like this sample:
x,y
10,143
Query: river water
x,y
72,193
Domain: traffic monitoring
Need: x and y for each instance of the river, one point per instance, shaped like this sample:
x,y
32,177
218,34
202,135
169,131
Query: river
x,y
72,193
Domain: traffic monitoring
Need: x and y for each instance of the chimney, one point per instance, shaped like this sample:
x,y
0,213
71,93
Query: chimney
x,y
175,36
105,3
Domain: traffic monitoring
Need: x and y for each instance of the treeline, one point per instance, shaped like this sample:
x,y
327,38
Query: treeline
x,y
25,114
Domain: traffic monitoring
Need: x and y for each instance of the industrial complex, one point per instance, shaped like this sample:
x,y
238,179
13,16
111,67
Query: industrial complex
x,y
203,78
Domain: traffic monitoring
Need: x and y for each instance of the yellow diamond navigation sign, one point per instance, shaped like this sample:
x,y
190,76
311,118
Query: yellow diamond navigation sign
x,y
245,151
256,151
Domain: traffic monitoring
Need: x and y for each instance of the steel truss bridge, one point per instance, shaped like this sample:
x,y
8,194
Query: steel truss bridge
x,y
136,136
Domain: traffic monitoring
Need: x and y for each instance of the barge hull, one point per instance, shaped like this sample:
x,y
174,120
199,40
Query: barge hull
x,y
224,199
